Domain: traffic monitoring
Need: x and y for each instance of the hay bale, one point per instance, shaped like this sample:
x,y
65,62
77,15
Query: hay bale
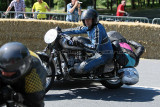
x,y
31,33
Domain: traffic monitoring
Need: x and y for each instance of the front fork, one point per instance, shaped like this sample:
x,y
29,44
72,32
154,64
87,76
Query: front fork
x,y
55,55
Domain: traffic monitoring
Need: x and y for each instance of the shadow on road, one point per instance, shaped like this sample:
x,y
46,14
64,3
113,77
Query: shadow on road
x,y
88,90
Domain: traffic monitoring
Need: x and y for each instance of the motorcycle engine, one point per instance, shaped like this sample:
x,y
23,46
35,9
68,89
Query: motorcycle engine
x,y
108,67
71,60
74,57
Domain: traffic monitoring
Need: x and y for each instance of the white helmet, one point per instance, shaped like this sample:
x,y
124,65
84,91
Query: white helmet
x,y
130,76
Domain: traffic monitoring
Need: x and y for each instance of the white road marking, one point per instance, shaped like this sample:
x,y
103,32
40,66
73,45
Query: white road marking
x,y
142,87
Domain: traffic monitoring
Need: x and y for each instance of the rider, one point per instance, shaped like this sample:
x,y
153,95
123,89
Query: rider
x,y
126,57
22,75
100,44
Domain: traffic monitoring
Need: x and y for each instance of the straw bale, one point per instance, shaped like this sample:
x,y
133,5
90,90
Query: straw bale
x,y
31,33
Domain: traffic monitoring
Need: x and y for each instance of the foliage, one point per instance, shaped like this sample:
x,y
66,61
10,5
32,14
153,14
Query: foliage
x,y
86,3
28,3
58,4
3,6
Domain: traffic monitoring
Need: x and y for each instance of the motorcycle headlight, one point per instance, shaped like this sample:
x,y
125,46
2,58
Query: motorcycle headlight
x,y
50,36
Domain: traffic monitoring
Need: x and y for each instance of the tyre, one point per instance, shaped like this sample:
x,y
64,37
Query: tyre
x,y
50,68
112,84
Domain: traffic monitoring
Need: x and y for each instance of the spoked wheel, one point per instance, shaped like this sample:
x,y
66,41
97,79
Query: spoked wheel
x,y
112,84
50,72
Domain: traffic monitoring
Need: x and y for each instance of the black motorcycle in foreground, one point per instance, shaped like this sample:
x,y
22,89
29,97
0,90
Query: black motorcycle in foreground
x,y
12,103
60,56
9,98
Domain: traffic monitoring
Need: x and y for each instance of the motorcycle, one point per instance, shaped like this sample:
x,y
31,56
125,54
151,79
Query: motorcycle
x,y
61,54
9,98
12,103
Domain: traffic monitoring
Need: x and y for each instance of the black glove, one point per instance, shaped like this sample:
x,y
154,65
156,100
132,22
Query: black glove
x,y
58,29
1,99
7,93
17,97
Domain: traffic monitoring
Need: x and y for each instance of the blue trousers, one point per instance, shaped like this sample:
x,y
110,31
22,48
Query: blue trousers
x,y
96,61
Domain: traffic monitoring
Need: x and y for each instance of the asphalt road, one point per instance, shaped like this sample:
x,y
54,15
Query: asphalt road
x,y
146,93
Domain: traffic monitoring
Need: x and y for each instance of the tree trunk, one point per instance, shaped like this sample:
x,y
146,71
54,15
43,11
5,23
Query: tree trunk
x,y
148,2
111,4
66,2
8,1
33,1
94,4
107,4
138,2
117,3
52,3
133,4
152,2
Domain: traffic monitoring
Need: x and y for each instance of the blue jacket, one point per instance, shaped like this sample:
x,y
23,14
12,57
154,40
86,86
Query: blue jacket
x,y
99,40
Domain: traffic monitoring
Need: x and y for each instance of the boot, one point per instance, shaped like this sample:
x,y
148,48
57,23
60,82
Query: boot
x,y
77,68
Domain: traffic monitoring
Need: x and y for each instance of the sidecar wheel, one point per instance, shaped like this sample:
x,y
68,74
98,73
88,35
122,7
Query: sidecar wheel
x,y
50,73
112,84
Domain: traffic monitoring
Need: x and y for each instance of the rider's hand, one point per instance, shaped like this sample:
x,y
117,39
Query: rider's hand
x,y
6,93
1,98
76,41
58,29
79,43
17,97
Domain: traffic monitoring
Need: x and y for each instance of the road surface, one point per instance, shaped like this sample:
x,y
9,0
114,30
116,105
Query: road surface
x,y
146,93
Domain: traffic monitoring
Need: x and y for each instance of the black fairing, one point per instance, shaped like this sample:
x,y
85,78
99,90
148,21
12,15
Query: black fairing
x,y
116,36
82,39
67,45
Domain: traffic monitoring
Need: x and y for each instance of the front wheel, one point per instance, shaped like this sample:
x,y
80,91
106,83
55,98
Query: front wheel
x,y
50,68
112,84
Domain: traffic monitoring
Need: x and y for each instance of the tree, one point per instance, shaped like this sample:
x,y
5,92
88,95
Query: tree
x,y
148,2
66,2
152,2
51,3
111,4
4,4
107,4
133,4
94,3
32,2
